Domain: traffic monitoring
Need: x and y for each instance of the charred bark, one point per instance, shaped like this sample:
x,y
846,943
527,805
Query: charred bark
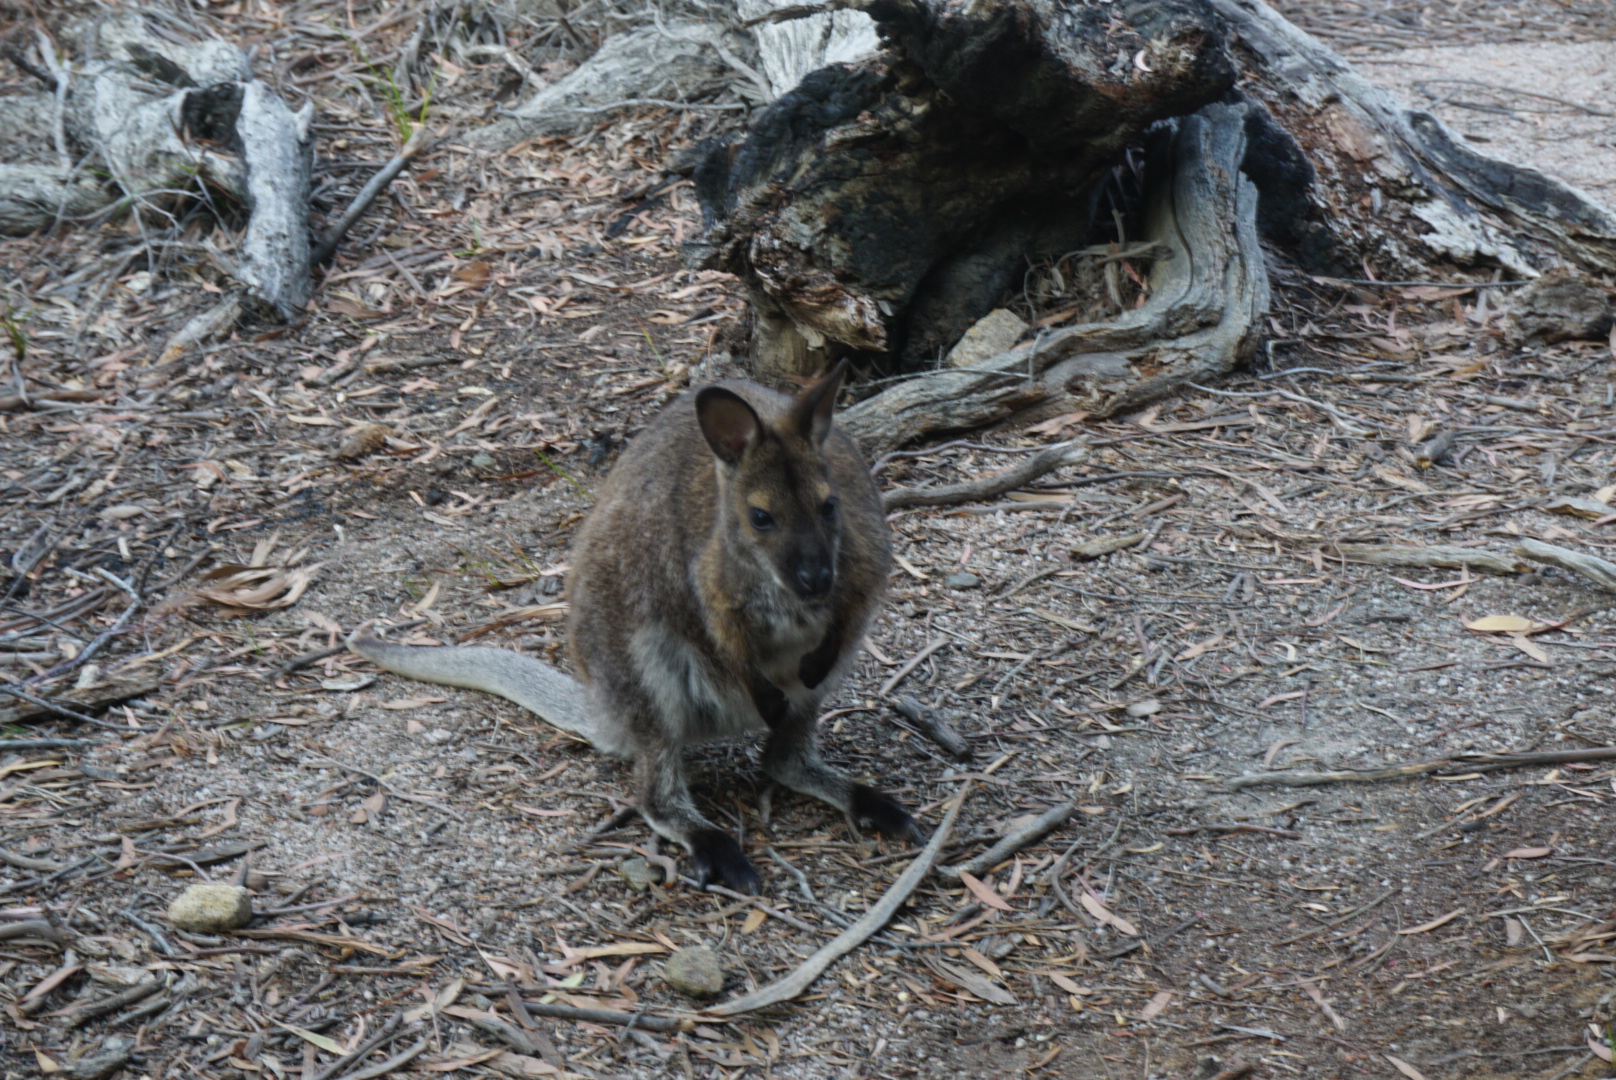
x,y
883,207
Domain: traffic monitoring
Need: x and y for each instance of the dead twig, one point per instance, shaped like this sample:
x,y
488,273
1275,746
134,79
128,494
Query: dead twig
x,y
1433,555
1465,762
1010,843
803,977
934,727
397,1061
909,665
988,487
1600,571
367,195
608,1016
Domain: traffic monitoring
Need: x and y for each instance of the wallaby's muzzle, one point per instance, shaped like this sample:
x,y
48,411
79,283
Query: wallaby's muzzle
x,y
814,576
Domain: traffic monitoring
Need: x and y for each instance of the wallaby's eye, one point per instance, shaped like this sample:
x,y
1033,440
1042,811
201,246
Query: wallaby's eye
x,y
828,511
761,521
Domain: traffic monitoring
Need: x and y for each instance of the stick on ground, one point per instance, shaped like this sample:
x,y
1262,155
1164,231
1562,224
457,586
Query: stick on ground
x,y
988,487
1466,762
1600,571
1008,845
801,979
367,195
934,727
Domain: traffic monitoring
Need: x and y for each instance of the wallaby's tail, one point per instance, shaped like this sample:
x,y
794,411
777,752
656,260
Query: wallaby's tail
x,y
535,686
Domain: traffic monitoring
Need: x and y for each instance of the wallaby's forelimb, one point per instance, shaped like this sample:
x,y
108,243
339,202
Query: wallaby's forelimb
x,y
791,759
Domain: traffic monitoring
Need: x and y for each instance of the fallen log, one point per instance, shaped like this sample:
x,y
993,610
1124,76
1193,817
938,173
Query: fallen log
x,y
144,122
882,207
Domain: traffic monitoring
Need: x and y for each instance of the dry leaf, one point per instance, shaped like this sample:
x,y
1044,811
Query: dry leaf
x,y
1054,426
971,981
1514,931
754,919
1531,649
1106,915
361,441
983,893
477,273
1434,923
1529,853
1501,624
1154,1007
982,962
1601,1050
1405,1068
1397,479
1591,509
1105,545
1069,985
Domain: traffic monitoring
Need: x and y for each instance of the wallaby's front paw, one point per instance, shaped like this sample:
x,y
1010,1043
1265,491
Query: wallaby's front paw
x,y
718,858
877,810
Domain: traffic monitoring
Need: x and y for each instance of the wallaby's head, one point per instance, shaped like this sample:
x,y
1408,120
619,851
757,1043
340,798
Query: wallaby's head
x,y
776,499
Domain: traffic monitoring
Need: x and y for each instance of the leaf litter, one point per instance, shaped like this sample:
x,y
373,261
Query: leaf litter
x,y
423,448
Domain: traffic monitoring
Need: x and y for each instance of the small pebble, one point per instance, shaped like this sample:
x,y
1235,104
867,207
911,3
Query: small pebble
x,y
211,908
962,581
639,874
695,971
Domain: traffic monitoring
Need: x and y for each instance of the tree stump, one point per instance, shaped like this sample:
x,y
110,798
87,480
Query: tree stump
x,y
884,206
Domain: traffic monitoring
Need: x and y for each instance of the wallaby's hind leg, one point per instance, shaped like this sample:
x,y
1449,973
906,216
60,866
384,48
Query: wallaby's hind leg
x,y
791,758
666,805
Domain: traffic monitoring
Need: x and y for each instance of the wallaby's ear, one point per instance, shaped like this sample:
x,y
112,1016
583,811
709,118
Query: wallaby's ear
x,y
811,414
731,425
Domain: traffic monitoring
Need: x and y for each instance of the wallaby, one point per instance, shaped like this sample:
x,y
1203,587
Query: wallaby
x,y
721,584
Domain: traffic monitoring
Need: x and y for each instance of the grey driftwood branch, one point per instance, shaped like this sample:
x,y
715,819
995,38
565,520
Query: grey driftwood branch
x,y
1601,572
1465,762
987,487
803,977
1442,555
934,727
1034,831
155,116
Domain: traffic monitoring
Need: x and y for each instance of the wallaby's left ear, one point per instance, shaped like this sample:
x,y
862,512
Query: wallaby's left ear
x,y
811,414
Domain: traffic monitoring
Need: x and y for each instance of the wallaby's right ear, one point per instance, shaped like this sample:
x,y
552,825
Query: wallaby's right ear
x,y
731,425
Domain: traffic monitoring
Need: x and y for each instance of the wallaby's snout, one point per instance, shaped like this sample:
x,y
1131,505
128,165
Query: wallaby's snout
x,y
814,575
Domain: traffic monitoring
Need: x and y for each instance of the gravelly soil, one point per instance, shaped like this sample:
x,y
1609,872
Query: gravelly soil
x,y
1315,931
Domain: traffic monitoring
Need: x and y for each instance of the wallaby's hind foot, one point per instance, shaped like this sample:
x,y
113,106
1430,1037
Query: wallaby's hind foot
x,y
877,810
666,806
718,858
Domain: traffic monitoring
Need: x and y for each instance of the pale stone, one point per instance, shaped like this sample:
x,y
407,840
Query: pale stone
x,y
211,908
992,334
695,971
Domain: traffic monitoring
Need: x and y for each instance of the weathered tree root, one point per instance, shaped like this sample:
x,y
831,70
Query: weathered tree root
x,y
1462,762
987,487
1407,191
155,116
1208,295
1601,572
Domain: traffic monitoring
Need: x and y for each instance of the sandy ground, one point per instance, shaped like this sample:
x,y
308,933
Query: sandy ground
x,y
1546,104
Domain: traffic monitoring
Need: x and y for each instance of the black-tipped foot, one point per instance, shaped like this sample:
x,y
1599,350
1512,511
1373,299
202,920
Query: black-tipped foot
x,y
719,858
873,809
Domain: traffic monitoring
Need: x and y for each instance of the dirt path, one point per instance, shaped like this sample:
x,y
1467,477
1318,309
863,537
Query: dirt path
x,y
1457,925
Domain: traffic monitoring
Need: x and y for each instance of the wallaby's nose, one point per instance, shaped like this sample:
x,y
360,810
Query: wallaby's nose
x,y
814,578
